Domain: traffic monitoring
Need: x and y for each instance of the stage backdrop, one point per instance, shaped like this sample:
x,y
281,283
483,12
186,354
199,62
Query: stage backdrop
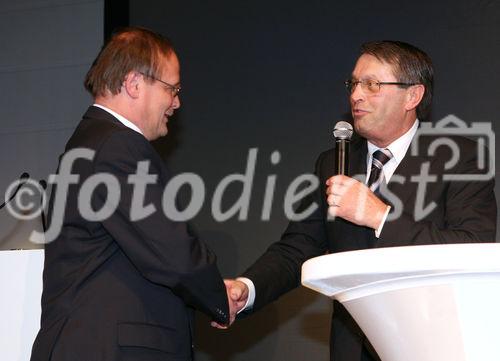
x,y
268,75
46,47
259,78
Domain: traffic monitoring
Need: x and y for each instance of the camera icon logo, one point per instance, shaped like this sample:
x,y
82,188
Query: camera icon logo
x,y
452,125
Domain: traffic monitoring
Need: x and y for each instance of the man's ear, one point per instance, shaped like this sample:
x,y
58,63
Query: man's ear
x,y
414,96
133,83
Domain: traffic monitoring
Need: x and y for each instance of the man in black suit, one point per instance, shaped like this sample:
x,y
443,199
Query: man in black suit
x,y
390,89
122,280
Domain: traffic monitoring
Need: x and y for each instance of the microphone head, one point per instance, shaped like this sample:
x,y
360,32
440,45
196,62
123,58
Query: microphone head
x,y
343,130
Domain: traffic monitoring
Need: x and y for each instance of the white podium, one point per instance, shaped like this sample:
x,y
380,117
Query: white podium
x,y
21,289
418,303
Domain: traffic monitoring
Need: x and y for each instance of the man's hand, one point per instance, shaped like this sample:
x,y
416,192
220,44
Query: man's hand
x,y
353,201
237,296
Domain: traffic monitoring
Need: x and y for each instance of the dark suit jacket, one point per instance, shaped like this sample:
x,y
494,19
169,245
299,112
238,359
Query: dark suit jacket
x,y
119,289
464,212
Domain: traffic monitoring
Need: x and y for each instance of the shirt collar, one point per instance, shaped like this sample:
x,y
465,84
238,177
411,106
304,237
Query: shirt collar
x,y
120,118
400,146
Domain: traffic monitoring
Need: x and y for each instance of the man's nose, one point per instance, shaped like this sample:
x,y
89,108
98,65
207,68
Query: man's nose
x,y
357,92
177,102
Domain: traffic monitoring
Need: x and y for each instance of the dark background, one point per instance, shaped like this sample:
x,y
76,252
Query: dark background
x,y
269,75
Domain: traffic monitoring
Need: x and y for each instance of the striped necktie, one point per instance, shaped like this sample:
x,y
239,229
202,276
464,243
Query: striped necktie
x,y
379,158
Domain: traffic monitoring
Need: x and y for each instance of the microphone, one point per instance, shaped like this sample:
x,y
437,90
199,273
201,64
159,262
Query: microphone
x,y
43,184
342,133
23,178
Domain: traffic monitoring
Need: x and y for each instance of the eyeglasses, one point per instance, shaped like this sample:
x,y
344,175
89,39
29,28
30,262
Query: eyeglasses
x,y
174,89
371,86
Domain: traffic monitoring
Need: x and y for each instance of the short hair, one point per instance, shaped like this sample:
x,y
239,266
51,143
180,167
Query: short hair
x,y
410,64
129,49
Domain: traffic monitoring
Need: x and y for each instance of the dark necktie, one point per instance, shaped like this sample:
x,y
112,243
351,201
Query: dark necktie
x,y
379,158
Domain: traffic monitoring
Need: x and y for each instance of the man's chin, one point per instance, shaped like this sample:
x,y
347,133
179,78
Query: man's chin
x,y
357,125
361,128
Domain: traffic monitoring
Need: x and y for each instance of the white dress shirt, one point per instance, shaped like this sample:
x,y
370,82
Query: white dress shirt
x,y
398,148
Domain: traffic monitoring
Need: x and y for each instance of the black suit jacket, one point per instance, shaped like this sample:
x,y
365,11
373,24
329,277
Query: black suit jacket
x,y
465,211
119,289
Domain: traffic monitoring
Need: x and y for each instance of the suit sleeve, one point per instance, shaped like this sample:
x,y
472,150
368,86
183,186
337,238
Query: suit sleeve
x,y
470,210
278,270
163,250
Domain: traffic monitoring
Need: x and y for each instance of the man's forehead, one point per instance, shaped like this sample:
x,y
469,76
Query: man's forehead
x,y
371,66
169,60
169,65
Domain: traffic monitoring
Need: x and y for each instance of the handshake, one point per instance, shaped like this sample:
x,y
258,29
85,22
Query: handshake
x,y
347,198
237,297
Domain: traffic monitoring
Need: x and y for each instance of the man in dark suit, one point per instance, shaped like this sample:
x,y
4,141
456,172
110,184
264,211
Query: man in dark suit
x,y
121,280
390,89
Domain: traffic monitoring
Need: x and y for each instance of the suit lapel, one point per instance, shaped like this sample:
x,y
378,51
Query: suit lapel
x,y
410,166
